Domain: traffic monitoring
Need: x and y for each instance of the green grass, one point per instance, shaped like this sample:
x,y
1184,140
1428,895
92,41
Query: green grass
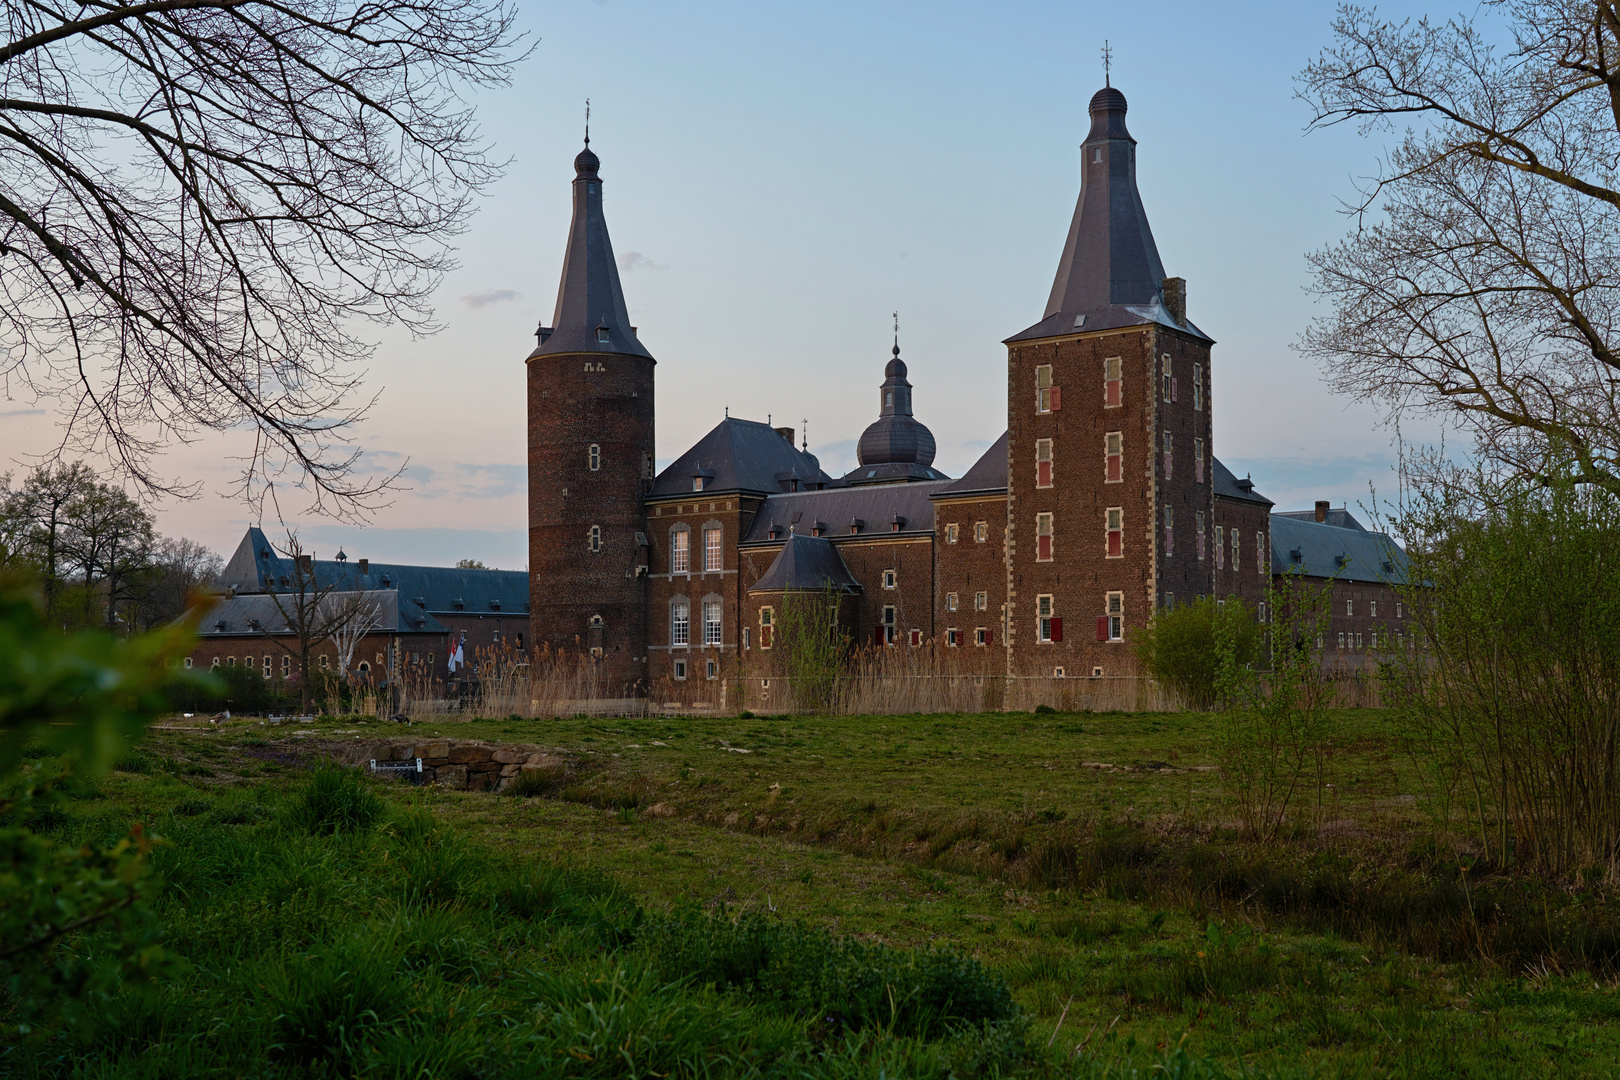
x,y
462,932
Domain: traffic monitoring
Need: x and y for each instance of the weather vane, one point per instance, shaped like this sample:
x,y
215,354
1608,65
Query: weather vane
x,y
587,121
1108,59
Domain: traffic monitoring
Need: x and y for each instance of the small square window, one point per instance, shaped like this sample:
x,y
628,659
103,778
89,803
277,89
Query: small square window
x,y
697,483
916,637
950,601
953,637
680,669
1057,673
1096,673
950,534
711,669
188,661
602,334
981,636
888,579
981,601
981,532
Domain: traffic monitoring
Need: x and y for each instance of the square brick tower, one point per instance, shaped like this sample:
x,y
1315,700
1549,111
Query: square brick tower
x,y
1110,493
590,386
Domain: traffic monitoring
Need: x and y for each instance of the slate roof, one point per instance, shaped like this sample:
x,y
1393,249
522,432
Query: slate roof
x,y
896,437
1229,486
1324,551
1340,518
589,296
988,475
807,562
875,506
1110,275
741,455
253,613
256,567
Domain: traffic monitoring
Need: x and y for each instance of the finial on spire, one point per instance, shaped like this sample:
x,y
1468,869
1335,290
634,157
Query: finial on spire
x,y
1107,57
897,333
804,435
587,121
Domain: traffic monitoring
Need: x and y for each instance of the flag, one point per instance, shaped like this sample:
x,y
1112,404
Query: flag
x,y
455,653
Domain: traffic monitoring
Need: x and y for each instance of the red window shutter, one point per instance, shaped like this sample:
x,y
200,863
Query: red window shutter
x,y
1113,468
1114,545
1102,628
1043,473
877,635
1057,629
1111,395
1057,398
1043,547
989,636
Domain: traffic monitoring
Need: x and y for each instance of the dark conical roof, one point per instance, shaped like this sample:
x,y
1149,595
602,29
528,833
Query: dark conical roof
x,y
591,316
1110,274
896,437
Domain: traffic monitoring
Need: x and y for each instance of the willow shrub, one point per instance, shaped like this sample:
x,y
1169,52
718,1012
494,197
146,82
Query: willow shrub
x,y
1510,696
1183,648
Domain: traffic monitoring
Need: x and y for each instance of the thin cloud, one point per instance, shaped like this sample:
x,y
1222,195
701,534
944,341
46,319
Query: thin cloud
x,y
490,296
635,260
23,412
492,481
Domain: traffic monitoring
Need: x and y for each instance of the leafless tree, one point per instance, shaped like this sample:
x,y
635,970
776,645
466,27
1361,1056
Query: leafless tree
x,y
352,616
200,201
1482,279
307,613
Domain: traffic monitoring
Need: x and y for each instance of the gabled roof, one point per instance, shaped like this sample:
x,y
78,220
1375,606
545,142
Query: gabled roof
x,y
1110,275
256,567
1340,518
987,477
590,316
257,613
808,563
1229,486
741,455
1328,551
875,506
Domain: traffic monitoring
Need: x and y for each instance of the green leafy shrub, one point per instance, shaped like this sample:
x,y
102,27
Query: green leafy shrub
x,y
336,800
1180,647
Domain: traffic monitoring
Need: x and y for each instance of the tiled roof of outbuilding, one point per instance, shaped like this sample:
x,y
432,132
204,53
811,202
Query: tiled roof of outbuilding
x,y
806,562
988,475
876,507
1341,518
1327,551
255,567
1229,486
740,455
256,613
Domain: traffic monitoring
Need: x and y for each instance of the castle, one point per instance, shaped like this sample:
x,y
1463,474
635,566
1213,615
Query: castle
x,y
1102,503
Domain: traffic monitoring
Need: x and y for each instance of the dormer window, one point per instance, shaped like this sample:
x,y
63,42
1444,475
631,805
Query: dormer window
x,y
697,483
459,604
386,583
494,605
602,334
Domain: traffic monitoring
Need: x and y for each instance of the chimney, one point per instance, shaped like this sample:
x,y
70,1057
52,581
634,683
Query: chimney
x,y
1321,510
365,567
306,563
1175,299
786,433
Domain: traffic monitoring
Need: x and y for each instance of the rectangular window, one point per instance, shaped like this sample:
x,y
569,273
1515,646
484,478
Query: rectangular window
x,y
952,637
1043,463
680,669
1169,531
950,601
711,622
888,579
595,539
981,532
713,559
915,637
950,534
1374,611
1049,628
1198,460
1168,388
1113,449
1116,531
1237,546
267,662
1341,639
697,483
981,636
711,669
680,623
1046,395
325,661
1398,609
286,666
1350,607
680,552
1169,445
981,601
1358,641
595,457
1111,393
1116,616
1262,556
1198,387
886,630
1220,547
747,641
1198,539
767,618
1043,537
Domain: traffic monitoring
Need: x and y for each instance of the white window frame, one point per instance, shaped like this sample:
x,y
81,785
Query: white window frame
x,y
1169,454
1198,540
981,601
1220,547
714,549
594,456
680,670
1113,372
1114,607
1198,388
1169,532
593,539
1114,451
1043,456
767,627
891,579
1044,528
713,627
950,601
1043,618
680,550
981,532
952,531
711,669
1198,460
680,622
1043,388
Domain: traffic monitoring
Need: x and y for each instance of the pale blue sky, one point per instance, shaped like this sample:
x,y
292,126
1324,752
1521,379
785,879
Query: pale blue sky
x,y
779,179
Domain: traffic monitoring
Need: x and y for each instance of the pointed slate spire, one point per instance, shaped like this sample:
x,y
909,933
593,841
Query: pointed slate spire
x,y
1110,274
591,316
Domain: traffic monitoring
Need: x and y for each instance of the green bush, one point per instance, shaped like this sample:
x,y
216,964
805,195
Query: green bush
x,y
1181,648
336,800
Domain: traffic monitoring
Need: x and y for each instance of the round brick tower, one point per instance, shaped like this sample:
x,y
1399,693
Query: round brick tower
x,y
590,385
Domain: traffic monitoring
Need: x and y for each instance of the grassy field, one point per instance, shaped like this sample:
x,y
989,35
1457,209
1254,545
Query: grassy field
x,y
1089,861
